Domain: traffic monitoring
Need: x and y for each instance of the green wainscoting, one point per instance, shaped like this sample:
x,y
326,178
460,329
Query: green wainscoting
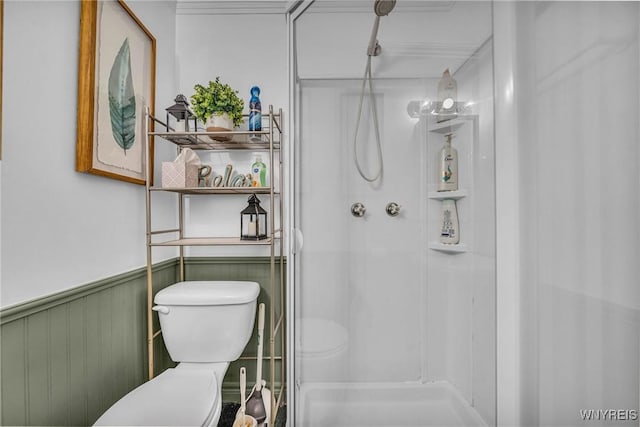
x,y
65,358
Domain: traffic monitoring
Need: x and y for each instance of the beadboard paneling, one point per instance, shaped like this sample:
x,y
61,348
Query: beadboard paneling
x,y
67,357
14,388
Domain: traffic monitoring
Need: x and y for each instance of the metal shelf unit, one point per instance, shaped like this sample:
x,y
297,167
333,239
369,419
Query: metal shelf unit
x,y
269,139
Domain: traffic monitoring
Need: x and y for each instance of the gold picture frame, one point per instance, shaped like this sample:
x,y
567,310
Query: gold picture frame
x,y
116,82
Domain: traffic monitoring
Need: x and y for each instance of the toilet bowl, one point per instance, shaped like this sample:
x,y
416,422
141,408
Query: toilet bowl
x,y
205,326
177,397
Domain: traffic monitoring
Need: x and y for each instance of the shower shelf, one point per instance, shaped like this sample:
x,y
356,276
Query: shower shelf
x,y
452,249
448,126
269,139
448,195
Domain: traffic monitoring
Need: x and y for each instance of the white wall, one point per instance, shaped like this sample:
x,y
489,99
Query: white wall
x,y
244,49
61,228
577,84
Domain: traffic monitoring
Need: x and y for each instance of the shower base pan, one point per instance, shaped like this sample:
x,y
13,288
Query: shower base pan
x,y
384,405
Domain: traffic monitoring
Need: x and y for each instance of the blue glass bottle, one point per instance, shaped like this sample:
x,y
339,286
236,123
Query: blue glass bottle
x,y
255,110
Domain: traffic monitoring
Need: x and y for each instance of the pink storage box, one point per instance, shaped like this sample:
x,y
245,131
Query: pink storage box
x,y
179,175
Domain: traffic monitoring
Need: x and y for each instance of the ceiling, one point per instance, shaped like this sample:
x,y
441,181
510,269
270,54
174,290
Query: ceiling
x,y
189,7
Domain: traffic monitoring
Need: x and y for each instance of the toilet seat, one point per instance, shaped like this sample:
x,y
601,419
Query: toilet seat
x,y
177,397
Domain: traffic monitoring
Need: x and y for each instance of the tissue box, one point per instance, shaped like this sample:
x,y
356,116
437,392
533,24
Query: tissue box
x,y
179,175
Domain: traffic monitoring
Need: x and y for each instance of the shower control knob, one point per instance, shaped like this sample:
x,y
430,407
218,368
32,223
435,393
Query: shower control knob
x,y
358,209
393,209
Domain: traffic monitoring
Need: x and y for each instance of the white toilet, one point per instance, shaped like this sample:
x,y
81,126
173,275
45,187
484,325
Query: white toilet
x,y
205,326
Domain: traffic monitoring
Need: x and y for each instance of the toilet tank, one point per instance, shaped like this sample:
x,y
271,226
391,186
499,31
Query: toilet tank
x,y
207,321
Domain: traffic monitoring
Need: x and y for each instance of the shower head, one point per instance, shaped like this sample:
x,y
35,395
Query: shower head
x,y
381,8
384,7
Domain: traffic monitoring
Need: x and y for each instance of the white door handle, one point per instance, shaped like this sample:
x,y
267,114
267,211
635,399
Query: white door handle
x,y
298,240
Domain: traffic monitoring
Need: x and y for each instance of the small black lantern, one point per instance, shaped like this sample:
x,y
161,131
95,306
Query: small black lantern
x,y
182,114
253,221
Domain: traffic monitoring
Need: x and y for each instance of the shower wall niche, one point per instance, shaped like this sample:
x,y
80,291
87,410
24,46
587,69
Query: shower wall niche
x,y
463,133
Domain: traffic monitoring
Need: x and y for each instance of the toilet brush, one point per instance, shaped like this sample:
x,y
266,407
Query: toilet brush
x,y
256,405
242,419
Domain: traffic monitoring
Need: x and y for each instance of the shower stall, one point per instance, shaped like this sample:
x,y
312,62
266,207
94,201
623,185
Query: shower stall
x,y
392,327
533,317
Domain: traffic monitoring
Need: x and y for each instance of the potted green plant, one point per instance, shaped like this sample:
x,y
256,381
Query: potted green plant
x,y
218,106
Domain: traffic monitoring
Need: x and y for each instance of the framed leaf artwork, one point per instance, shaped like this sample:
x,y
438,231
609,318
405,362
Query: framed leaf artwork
x,y
116,83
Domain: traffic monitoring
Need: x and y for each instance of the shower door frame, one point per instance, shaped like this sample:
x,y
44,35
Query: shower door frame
x,y
507,186
295,9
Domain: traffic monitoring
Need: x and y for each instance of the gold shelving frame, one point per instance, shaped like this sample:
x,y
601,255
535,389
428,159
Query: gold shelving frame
x,y
269,139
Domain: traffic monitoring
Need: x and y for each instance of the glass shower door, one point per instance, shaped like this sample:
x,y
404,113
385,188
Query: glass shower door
x,y
384,324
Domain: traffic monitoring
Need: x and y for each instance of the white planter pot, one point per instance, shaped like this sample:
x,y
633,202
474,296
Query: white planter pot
x,y
219,123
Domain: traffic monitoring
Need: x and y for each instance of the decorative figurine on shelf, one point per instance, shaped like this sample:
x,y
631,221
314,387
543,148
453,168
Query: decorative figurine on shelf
x,y
253,221
182,114
204,172
255,110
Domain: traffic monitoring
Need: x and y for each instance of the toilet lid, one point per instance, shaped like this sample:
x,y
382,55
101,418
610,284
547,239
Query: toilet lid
x,y
208,293
177,397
